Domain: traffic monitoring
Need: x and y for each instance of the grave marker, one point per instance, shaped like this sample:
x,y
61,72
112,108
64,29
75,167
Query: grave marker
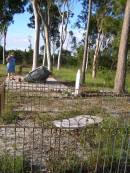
x,y
77,82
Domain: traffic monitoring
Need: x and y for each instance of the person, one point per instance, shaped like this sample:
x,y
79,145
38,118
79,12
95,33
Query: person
x,y
11,66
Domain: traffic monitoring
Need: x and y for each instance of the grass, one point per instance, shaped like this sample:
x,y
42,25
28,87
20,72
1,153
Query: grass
x,y
104,78
7,164
3,71
88,139
65,74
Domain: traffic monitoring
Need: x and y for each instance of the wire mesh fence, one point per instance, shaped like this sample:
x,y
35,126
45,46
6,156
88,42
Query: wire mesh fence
x,y
2,97
49,129
40,149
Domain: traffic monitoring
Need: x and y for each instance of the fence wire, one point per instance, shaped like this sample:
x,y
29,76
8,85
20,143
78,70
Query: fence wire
x,y
49,129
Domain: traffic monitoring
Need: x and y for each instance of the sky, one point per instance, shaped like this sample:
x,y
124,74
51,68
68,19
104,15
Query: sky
x,y
19,33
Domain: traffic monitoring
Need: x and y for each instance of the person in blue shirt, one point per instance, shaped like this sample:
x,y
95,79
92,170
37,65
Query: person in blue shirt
x,y
11,66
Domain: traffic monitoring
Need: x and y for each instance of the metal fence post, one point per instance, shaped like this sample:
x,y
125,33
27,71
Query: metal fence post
x,y
0,104
2,97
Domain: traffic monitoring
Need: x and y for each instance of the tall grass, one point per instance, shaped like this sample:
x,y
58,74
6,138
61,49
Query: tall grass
x,y
104,79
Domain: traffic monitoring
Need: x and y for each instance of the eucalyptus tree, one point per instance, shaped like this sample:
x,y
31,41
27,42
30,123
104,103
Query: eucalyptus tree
x,y
5,27
53,33
119,86
102,22
106,29
86,44
104,25
65,12
108,15
44,13
37,32
72,41
48,15
85,21
8,8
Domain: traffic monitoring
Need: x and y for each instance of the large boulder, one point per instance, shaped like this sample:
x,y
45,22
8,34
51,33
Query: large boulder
x,y
40,74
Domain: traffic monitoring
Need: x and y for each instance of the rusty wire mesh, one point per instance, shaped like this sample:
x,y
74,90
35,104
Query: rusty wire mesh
x,y
32,143
2,97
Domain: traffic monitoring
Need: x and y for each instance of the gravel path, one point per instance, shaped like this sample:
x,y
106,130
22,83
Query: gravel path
x,y
50,84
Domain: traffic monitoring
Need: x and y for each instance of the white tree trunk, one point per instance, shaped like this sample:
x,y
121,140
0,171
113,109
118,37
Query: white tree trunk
x,y
37,35
45,25
53,54
48,53
44,51
4,46
86,44
96,55
86,68
59,56
44,56
61,43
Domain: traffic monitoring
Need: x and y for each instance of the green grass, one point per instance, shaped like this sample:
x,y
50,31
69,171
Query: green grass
x,y
3,72
65,74
7,164
104,78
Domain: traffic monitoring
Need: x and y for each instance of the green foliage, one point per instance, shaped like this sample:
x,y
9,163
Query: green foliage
x,y
66,59
7,164
110,25
118,7
9,116
7,10
79,55
54,19
22,57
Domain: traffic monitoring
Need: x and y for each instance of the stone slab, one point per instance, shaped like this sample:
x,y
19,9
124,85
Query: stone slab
x,y
77,122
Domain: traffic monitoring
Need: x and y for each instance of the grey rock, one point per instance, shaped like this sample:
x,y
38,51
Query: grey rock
x,y
40,74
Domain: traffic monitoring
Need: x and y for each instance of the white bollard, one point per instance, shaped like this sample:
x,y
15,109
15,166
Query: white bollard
x,y
77,82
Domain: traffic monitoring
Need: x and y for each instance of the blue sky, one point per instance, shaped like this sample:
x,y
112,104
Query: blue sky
x,y
19,32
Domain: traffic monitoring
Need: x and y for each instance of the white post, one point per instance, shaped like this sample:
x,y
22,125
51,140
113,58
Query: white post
x,y
77,82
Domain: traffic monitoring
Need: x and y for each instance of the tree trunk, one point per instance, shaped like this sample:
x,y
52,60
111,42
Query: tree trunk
x,y
37,35
86,68
86,45
119,86
44,56
96,55
48,53
45,25
44,51
4,46
61,43
53,54
59,57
